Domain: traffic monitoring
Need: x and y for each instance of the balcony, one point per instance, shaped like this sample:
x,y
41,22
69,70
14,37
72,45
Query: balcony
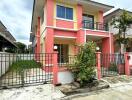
x,y
95,26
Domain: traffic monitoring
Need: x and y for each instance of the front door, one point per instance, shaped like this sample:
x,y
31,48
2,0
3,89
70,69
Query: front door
x,y
62,53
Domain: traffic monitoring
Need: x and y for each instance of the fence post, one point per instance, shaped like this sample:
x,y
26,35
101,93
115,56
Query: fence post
x,y
55,68
127,67
98,54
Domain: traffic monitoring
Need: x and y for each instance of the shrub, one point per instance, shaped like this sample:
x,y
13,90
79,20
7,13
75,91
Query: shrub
x,y
84,67
24,64
113,67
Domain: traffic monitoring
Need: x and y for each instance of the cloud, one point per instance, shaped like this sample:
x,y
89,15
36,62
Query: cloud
x,y
124,4
16,16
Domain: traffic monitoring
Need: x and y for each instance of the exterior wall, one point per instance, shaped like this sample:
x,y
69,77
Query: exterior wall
x,y
48,33
65,77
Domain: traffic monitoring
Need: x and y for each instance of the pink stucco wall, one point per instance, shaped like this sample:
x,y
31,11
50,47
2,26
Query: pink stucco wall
x,y
64,24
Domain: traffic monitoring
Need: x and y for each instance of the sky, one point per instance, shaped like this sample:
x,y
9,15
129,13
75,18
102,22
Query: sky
x,y
16,15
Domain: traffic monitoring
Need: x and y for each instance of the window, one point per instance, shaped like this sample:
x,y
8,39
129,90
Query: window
x,y
64,12
88,21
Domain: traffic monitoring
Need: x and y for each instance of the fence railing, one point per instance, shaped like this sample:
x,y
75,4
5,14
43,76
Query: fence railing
x,y
66,61
95,26
25,69
112,64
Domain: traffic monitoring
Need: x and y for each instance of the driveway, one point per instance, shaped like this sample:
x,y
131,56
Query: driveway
x,y
120,89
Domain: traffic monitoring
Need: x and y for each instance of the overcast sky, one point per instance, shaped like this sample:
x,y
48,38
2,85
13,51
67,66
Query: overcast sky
x,y
16,15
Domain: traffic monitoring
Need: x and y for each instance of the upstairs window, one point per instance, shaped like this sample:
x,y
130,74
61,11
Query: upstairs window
x,y
64,12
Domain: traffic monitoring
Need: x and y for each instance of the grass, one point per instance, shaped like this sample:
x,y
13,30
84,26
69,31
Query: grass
x,y
24,64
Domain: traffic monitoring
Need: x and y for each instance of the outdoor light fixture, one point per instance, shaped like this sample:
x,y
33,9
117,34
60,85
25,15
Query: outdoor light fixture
x,y
97,48
55,47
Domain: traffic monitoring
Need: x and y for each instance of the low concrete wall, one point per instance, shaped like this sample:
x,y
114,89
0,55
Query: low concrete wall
x,y
65,77
26,56
6,60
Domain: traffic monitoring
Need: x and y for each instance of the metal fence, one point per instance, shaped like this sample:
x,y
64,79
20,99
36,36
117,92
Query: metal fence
x,y
25,69
112,64
66,61
97,25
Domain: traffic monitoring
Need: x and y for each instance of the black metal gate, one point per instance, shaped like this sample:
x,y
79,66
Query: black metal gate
x,y
25,69
112,64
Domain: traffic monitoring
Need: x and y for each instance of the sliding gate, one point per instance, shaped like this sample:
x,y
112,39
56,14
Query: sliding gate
x,y
25,69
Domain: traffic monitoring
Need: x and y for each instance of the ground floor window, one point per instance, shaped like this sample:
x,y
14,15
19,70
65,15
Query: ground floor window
x,y
62,52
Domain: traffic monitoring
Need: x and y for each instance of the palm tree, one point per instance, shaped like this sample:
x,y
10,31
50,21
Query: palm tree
x,y
122,23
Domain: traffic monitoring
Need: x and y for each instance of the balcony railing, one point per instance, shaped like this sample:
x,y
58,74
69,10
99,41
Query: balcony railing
x,y
95,26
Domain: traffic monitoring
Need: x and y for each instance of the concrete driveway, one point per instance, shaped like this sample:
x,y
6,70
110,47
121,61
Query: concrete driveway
x,y
117,91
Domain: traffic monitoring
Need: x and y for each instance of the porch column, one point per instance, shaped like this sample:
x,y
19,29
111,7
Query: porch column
x,y
55,68
38,36
98,54
127,67
107,44
49,38
80,34
49,41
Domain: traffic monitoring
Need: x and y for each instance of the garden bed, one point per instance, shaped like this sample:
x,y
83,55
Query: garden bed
x,y
74,88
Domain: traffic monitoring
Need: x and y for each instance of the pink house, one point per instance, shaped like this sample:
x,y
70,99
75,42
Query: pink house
x,y
67,23
63,24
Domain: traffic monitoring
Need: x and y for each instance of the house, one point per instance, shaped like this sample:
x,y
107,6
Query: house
x,y
6,39
108,19
67,23
62,25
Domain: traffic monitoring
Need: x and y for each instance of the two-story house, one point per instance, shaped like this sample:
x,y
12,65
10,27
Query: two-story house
x,y
108,19
64,24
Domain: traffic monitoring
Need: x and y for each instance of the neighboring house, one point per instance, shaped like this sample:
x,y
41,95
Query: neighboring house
x,y
64,24
108,19
6,39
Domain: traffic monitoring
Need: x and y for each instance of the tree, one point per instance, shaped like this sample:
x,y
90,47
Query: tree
x,y
122,23
84,68
21,47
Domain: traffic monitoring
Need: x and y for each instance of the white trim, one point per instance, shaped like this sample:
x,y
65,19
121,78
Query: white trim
x,y
64,19
95,30
67,29
97,35
65,37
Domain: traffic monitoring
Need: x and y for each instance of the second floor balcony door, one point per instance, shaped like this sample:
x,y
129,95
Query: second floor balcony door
x,y
88,21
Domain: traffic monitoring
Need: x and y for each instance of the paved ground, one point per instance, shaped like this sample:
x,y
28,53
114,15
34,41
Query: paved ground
x,y
117,93
41,92
120,89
